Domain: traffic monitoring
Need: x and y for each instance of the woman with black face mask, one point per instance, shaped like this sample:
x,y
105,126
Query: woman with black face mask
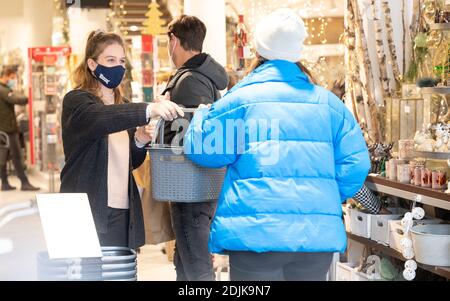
x,y
104,137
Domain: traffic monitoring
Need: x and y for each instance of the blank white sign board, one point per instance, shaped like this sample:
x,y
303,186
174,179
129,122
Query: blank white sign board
x,y
68,226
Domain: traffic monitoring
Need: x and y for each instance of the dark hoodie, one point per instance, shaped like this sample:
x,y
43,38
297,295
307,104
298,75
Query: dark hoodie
x,y
197,82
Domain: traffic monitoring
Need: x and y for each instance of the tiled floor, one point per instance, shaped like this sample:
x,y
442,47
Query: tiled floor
x,y
28,239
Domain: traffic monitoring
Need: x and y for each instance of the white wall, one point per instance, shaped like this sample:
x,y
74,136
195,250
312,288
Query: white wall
x,y
212,13
25,23
28,23
82,22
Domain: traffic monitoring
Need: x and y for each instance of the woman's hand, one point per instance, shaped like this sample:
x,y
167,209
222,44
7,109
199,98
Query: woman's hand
x,y
166,109
144,135
203,106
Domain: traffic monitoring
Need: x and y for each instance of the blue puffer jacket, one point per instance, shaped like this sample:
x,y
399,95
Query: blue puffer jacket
x,y
285,194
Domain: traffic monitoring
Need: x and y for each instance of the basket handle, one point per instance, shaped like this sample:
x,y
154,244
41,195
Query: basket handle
x,y
160,125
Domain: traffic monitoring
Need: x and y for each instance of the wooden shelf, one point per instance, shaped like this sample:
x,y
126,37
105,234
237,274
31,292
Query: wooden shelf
x,y
432,155
440,26
410,192
441,271
435,90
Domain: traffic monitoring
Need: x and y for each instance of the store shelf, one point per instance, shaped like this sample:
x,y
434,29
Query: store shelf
x,y
441,271
440,26
410,192
432,155
435,90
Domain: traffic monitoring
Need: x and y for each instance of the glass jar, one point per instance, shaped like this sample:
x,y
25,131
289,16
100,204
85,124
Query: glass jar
x,y
426,178
418,176
439,179
403,173
392,170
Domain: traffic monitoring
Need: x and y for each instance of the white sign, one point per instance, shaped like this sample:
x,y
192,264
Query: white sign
x,y
68,226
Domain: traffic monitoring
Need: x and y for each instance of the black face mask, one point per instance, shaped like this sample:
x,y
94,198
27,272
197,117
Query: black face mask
x,y
110,77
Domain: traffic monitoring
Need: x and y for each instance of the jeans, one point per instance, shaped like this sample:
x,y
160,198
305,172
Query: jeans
x,y
279,266
191,223
16,156
117,234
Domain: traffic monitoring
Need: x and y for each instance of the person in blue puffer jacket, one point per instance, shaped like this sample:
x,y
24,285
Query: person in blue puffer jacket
x,y
293,153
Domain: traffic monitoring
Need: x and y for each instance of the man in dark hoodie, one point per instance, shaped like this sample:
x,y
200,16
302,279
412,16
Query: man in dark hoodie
x,y
197,81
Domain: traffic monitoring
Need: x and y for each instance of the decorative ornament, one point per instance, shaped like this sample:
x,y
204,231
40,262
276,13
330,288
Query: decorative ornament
x,y
409,274
411,264
407,222
154,25
408,253
418,213
434,39
373,271
406,243
421,40
429,11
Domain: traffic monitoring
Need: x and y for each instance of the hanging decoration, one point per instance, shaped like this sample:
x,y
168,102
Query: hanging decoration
x,y
154,25
375,53
367,81
409,273
115,18
60,35
390,34
313,12
379,43
242,52
404,30
352,69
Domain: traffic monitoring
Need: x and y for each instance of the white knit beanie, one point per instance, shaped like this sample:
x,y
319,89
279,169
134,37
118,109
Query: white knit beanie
x,y
280,36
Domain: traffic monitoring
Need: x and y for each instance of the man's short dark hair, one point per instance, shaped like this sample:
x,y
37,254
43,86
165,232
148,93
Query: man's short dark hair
x,y
190,30
8,70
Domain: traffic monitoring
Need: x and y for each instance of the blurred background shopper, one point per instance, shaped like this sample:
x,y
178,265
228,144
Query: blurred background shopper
x,y
281,220
8,125
101,143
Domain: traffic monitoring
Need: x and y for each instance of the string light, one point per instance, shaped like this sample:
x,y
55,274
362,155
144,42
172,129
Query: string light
x,y
316,23
313,15
61,10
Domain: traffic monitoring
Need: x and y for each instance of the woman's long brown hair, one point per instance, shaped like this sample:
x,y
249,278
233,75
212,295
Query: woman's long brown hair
x,y
259,61
83,77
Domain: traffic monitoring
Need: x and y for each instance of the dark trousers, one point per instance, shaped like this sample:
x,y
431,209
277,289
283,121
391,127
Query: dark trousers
x,y
117,234
279,266
191,223
16,155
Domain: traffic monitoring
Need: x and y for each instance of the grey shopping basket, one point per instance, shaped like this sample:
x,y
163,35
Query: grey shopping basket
x,y
117,264
177,179
4,146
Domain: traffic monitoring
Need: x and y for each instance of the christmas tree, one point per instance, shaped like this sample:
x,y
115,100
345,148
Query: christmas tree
x,y
154,25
